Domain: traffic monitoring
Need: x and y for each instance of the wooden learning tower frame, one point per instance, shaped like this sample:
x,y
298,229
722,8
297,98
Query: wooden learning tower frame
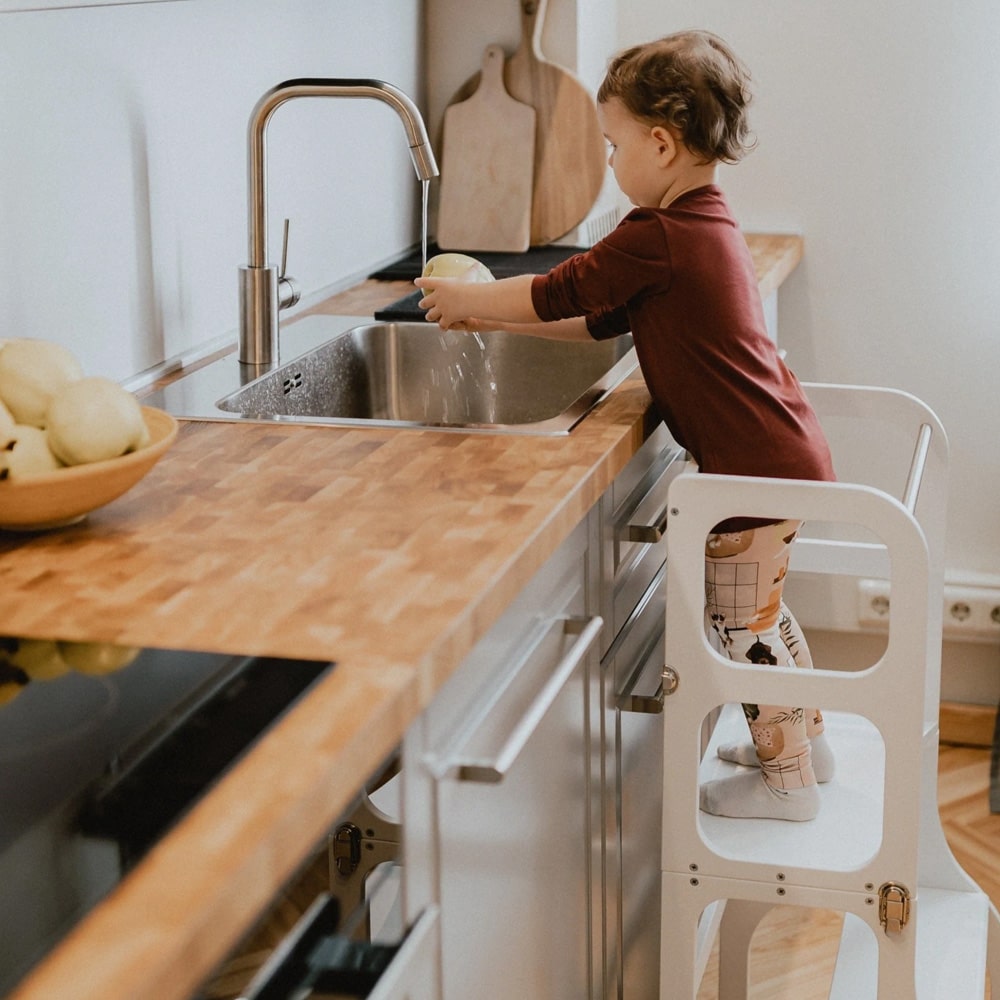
x,y
915,924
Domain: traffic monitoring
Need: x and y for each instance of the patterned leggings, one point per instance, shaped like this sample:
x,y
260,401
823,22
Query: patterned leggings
x,y
748,622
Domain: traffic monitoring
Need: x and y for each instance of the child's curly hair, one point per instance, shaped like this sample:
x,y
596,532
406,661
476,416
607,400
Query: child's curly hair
x,y
693,83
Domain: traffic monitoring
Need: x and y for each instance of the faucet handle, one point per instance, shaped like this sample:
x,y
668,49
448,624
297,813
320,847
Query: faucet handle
x,y
284,251
288,291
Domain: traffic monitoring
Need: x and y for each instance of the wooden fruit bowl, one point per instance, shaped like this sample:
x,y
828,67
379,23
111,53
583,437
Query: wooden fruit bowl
x,y
55,499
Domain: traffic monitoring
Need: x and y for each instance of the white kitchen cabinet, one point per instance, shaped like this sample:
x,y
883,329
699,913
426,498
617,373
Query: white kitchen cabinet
x,y
541,843
508,742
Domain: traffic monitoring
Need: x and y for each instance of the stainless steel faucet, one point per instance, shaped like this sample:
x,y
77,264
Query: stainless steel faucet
x,y
264,288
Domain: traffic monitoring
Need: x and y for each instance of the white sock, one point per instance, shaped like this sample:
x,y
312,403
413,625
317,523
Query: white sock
x,y
748,796
823,762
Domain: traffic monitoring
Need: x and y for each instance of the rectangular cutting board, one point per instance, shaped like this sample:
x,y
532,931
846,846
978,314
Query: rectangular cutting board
x,y
487,167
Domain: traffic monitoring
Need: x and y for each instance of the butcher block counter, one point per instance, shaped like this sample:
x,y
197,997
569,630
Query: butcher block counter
x,y
390,552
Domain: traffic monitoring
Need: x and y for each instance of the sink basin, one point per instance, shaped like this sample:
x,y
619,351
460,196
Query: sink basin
x,y
415,375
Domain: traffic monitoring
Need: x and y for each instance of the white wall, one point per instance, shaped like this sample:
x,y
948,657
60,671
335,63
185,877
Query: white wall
x,y
879,141
122,164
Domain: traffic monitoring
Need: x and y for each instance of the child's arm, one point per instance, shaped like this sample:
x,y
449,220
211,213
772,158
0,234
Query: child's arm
x,y
506,304
451,301
574,328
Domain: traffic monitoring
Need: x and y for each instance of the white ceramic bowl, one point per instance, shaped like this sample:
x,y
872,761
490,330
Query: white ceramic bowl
x,y
54,499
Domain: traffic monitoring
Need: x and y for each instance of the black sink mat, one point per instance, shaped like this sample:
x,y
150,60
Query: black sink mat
x,y
402,309
535,260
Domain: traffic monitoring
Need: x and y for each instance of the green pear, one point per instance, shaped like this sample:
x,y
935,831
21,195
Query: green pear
x,y
93,419
31,372
25,451
457,265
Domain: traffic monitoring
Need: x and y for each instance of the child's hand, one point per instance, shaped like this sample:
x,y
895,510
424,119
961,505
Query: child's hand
x,y
443,302
445,278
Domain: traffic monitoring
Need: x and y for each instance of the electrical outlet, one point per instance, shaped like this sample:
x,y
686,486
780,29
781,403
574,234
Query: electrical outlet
x,y
971,613
873,603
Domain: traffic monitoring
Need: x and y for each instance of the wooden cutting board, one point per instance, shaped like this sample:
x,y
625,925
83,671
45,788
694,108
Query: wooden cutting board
x,y
570,157
487,163
570,161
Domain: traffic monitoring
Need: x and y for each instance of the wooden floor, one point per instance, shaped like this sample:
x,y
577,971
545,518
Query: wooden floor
x,y
794,950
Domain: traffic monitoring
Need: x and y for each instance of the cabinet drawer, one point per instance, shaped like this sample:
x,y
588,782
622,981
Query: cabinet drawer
x,y
635,659
630,478
634,769
635,544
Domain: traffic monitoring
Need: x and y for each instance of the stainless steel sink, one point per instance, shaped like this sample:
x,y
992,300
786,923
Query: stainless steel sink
x,y
413,375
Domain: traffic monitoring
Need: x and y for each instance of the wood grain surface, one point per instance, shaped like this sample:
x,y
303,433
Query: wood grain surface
x,y
389,551
570,161
487,165
570,157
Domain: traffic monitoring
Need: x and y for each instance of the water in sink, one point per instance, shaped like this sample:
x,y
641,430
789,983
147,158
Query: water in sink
x,y
466,383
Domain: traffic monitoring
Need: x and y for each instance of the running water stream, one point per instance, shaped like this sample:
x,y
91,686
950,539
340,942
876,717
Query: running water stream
x,y
426,185
480,375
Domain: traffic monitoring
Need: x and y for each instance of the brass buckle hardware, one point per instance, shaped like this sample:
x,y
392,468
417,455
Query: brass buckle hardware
x,y
893,906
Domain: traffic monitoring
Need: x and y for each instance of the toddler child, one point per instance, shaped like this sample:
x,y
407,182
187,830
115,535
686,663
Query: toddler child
x,y
678,275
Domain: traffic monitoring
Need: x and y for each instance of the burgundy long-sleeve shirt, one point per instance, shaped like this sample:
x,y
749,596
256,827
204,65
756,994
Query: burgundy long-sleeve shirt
x,y
682,280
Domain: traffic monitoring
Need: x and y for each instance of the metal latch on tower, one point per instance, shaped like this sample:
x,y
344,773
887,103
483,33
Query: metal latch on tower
x,y
893,906
345,849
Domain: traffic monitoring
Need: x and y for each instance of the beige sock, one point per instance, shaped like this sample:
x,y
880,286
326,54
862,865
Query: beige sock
x,y
748,796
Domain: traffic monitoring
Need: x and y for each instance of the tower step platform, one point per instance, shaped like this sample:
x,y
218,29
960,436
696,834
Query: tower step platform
x,y
953,927
848,829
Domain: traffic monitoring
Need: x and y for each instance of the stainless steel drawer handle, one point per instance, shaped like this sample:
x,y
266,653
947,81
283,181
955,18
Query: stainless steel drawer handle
x,y
627,700
586,630
648,522
649,704
648,534
643,704
646,704
637,612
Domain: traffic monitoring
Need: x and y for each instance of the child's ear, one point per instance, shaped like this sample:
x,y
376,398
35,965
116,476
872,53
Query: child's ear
x,y
666,141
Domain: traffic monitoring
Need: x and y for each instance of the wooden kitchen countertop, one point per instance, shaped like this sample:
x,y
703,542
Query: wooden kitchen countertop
x,y
388,551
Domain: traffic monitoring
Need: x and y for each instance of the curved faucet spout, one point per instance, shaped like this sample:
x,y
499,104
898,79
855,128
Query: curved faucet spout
x,y
260,295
